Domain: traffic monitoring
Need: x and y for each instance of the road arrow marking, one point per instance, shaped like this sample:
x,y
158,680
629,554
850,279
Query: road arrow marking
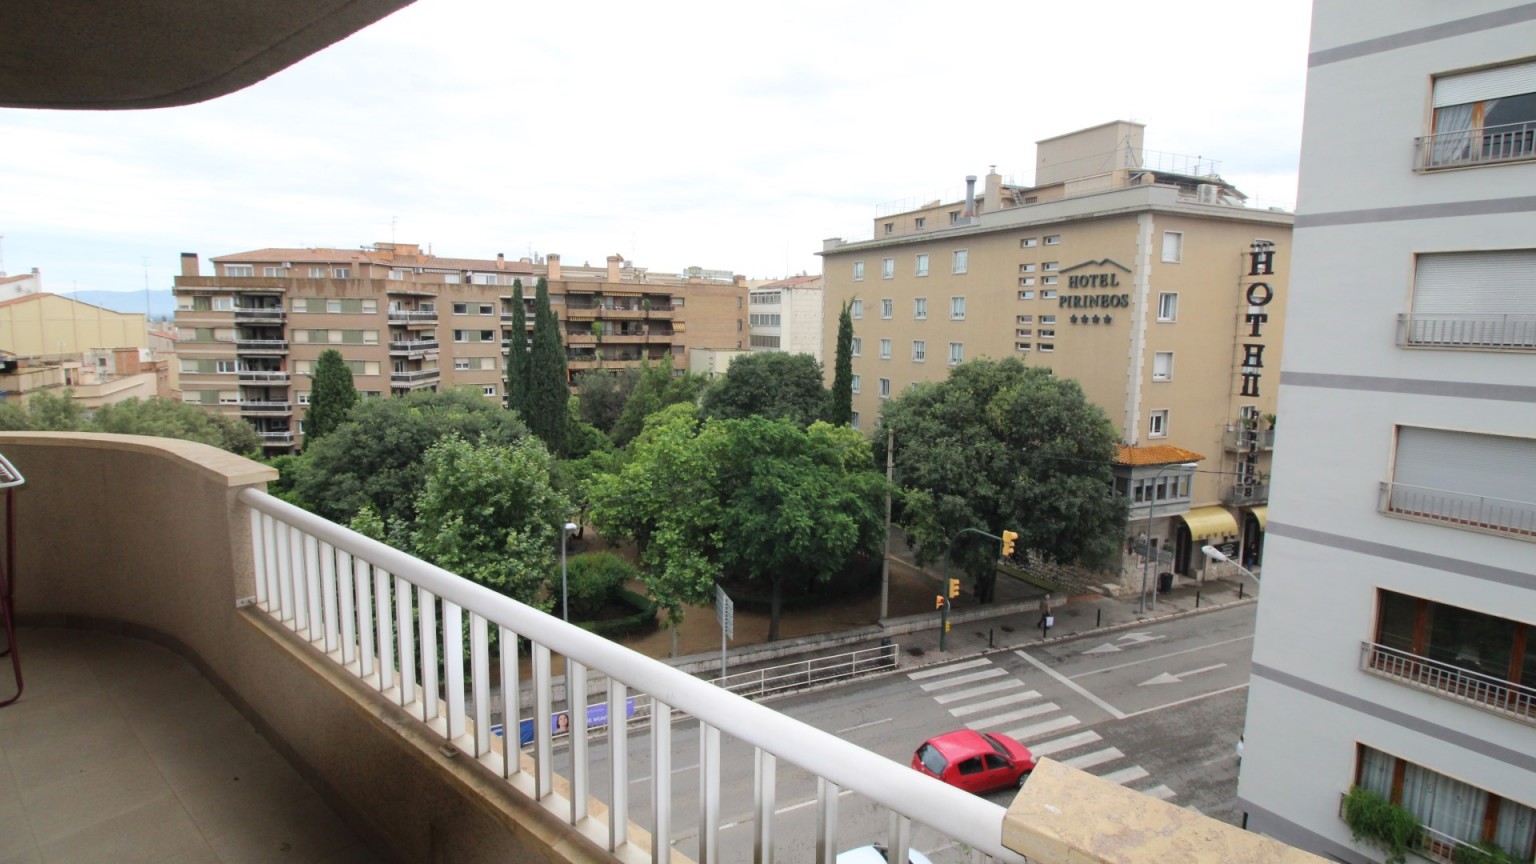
x,y
1135,638
1177,677
1106,648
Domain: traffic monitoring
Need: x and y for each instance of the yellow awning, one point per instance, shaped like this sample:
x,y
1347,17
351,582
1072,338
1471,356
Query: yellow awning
x,y
1206,522
1261,513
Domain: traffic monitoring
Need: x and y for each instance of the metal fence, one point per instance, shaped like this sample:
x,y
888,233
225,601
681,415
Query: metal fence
x,y
789,677
1509,332
1462,509
1464,685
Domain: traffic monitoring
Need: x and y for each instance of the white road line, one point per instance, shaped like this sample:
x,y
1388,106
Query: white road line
x,y
1126,775
964,679
1048,726
994,703
1190,699
945,670
1113,711
739,822
1160,791
1046,748
1097,757
862,726
994,687
692,767
1032,711
1163,656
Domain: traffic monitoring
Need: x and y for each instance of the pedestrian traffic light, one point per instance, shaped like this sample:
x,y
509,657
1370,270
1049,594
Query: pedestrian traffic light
x,y
938,601
1008,538
954,588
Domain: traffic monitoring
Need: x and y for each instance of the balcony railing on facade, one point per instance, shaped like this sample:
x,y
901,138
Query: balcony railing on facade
x,y
261,346
1459,509
1243,440
267,375
256,314
273,437
1243,494
259,407
586,311
1506,332
416,376
412,347
1495,695
413,316
1510,142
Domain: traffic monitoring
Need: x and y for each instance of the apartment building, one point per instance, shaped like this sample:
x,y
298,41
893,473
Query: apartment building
x,y
786,315
405,319
1143,275
1396,646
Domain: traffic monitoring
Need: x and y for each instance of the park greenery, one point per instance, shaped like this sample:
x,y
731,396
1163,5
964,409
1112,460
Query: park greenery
x,y
166,418
771,384
840,400
331,398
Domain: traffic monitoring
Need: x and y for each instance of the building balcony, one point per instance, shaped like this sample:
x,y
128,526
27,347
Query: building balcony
x,y
1243,440
1497,696
510,318
412,316
260,314
261,346
258,407
1459,510
413,347
274,438
1462,332
264,376
415,378
1511,142
1245,494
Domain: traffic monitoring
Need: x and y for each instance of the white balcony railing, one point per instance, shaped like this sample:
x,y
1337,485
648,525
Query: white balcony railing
x,y
275,437
251,406
415,376
375,611
1460,509
267,376
1498,696
1510,332
1510,142
412,315
262,345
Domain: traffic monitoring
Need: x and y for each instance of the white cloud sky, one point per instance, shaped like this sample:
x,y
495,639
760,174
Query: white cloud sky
x,y
674,133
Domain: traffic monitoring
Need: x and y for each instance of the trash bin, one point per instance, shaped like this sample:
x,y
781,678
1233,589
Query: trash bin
x,y
1164,582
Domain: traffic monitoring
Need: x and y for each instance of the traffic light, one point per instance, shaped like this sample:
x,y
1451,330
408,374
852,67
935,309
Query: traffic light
x,y
938,601
954,588
1008,538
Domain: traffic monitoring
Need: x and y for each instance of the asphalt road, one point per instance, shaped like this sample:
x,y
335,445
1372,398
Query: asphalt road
x,y
1158,710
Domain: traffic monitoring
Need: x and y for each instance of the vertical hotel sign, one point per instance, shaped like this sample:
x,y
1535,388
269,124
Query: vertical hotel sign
x,y
1261,264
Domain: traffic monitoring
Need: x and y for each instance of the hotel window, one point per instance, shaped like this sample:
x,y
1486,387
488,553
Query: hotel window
x,y
1473,300
856,309
1162,366
858,346
887,268
1173,246
1157,424
885,388
1046,347
1464,480
1051,266
919,222
885,349
1167,306
1053,240
1482,117
1024,319
1027,295
1026,281
1047,334
1050,280
317,272
920,308
922,264
890,227
1028,243
1047,319
1048,294
957,308
887,307
919,351
858,271
274,271
1026,268
341,273
962,261
857,383
1021,346
239,270
1452,811
956,353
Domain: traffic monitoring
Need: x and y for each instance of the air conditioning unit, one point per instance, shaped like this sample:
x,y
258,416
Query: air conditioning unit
x,y
1207,193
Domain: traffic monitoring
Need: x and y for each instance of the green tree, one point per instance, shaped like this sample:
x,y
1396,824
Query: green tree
x,y
840,402
602,395
769,384
594,579
376,457
1001,445
548,386
168,418
489,513
657,387
331,398
517,354
44,411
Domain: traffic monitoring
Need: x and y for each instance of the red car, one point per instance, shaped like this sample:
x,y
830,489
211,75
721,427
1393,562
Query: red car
x,y
975,761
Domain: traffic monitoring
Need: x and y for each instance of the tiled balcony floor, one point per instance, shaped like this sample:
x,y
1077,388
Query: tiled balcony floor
x,y
120,751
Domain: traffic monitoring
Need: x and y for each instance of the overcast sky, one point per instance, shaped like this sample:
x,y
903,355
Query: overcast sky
x,y
722,135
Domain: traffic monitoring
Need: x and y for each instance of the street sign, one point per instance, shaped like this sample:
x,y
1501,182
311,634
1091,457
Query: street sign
x,y
1228,549
725,612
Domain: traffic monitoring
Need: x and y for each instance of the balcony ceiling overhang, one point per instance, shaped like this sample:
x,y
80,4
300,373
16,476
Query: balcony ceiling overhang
x,y
119,54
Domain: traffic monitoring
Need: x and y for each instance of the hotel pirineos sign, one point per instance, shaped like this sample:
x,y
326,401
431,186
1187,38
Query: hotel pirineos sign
x,y
1261,262
1092,299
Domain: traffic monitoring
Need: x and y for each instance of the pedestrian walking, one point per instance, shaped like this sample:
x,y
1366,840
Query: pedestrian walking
x,y
1045,614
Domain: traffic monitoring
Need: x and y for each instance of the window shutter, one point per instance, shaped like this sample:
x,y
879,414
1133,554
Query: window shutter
x,y
1493,466
1487,84
1476,283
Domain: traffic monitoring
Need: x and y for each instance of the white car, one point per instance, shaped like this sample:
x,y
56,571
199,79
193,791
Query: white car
x,y
876,855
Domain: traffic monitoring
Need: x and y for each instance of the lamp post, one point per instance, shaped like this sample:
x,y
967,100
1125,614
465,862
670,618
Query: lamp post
x,y
565,597
1215,554
1152,506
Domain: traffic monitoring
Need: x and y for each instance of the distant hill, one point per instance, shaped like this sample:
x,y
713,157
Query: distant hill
x,y
162,304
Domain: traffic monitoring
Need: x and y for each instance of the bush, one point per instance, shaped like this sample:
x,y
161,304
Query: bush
x,y
1482,853
644,617
594,580
1390,828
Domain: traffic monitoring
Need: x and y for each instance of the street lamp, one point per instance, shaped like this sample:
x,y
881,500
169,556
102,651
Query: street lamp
x,y
565,597
1215,554
1151,506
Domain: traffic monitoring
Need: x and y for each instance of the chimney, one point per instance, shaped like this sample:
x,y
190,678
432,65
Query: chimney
x,y
189,264
970,198
501,261
739,281
613,267
992,195
554,267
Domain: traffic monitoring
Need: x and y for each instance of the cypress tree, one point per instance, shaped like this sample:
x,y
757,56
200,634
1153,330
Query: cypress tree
x,y
517,355
332,397
549,391
840,410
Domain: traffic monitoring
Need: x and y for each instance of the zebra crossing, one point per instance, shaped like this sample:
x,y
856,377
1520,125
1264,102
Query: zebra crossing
x,y
983,696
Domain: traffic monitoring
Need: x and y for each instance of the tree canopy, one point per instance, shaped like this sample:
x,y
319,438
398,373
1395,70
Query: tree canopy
x,y
517,354
548,386
657,387
165,418
769,384
840,400
1000,445
331,398
602,396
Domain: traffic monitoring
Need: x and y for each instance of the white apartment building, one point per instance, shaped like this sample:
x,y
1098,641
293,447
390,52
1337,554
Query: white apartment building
x,y
1396,647
787,316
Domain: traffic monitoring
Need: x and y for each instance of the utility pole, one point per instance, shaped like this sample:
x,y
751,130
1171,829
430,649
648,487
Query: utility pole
x,y
885,559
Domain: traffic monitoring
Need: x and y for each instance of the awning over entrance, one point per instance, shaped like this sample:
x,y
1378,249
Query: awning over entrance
x,y
1207,522
1261,513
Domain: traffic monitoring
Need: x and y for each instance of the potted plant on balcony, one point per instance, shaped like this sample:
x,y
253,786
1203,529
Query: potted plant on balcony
x,y
1269,421
597,330
1387,826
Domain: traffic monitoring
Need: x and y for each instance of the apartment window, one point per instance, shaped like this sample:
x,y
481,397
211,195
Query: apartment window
x,y
461,335
1048,294
1473,300
1053,240
858,346
856,309
487,309
956,353
887,268
341,273
1028,295
461,308
890,227
855,422
490,390
1173,246
274,271
1028,243
239,270
487,336
450,278
1162,366
920,308
858,271
1417,639
885,388
1051,266
922,264
954,217
957,308
887,308
919,351
857,383
484,279
919,222
460,364
1448,807
1157,424
1481,117
317,272
1464,479
885,349
224,367
223,304
961,262
1167,306
303,398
